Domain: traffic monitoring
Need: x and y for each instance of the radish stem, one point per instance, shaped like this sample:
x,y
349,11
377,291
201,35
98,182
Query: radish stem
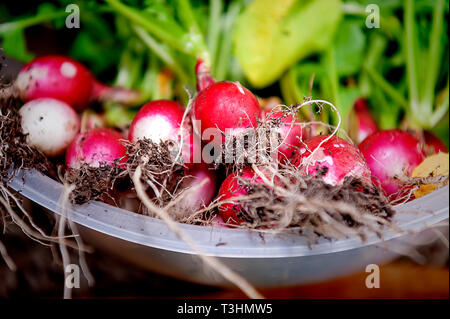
x,y
411,67
189,21
223,60
386,87
28,22
434,53
215,11
162,52
334,84
441,109
168,31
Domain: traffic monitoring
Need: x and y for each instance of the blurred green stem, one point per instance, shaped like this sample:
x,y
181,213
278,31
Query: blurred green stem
x,y
162,52
223,59
441,108
166,30
30,21
386,87
189,21
433,58
334,85
411,67
375,51
215,12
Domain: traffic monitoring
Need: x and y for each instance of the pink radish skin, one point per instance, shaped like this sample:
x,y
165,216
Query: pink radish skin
x,y
365,123
433,145
231,188
225,106
333,161
50,125
96,147
199,196
290,130
67,80
391,153
160,121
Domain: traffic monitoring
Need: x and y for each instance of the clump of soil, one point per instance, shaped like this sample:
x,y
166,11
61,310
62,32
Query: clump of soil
x,y
307,205
15,153
93,183
162,167
251,145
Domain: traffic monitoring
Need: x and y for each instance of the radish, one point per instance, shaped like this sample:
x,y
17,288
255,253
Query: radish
x,y
67,80
433,145
290,132
50,125
101,146
234,213
203,184
226,107
391,154
363,123
334,160
160,121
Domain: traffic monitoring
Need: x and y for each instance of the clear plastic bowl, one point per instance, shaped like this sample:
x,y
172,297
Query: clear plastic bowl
x,y
266,261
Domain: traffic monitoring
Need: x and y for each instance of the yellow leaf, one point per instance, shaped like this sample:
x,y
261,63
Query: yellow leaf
x,y
432,166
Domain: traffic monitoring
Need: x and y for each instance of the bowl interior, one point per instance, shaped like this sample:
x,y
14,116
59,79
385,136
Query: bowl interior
x,y
223,242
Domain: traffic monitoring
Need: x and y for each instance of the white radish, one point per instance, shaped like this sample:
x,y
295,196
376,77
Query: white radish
x,y
50,125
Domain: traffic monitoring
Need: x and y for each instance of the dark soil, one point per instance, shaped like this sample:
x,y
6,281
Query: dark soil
x,y
318,200
158,166
15,153
94,183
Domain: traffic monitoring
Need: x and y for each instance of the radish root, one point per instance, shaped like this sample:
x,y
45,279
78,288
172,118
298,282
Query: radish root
x,y
215,264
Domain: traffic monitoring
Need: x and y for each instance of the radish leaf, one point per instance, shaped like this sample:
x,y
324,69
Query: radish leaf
x,y
273,35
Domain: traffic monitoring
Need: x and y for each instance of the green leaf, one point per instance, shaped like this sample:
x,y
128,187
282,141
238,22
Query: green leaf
x,y
14,45
347,97
273,35
99,56
349,45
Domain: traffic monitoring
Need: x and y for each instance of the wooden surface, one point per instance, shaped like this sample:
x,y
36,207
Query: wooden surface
x,y
39,275
400,279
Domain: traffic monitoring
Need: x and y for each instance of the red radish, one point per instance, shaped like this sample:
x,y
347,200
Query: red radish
x,y
67,80
50,125
433,145
365,124
290,131
334,160
224,106
233,213
160,121
203,182
102,146
390,154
